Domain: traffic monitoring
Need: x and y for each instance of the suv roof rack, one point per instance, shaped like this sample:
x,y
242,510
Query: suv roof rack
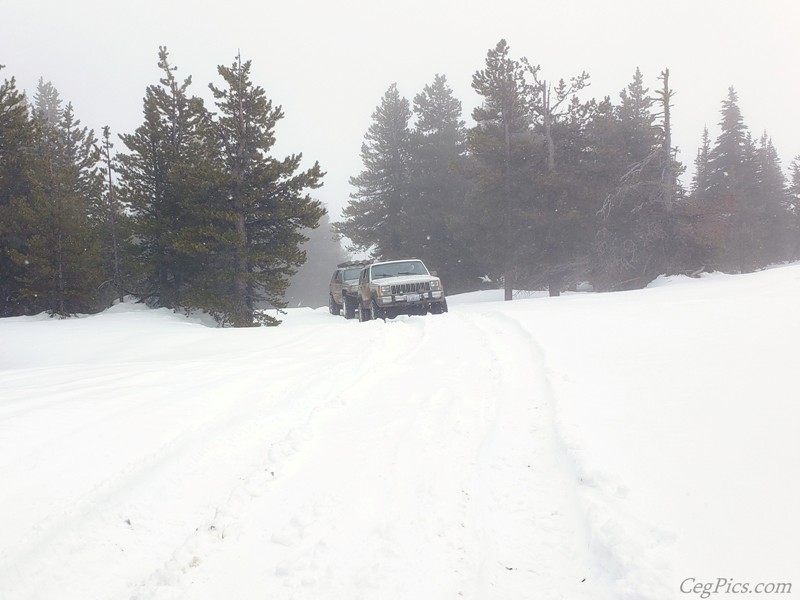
x,y
354,263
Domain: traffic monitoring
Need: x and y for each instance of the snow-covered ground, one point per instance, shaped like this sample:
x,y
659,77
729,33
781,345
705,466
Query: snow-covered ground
x,y
631,445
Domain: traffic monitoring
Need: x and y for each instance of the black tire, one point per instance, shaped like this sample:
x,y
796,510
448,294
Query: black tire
x,y
438,308
333,307
349,308
377,311
364,314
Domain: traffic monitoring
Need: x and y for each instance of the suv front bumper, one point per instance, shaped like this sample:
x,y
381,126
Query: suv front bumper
x,y
400,300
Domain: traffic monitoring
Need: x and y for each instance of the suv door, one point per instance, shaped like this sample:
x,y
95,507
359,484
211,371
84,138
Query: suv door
x,y
363,286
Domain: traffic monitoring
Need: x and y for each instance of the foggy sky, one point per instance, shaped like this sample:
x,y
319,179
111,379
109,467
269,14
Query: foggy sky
x,y
328,62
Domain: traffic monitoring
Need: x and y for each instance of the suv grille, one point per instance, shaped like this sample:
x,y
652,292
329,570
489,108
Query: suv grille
x,y
411,288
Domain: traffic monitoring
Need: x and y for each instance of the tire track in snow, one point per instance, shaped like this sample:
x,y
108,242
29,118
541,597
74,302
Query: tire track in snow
x,y
538,532
377,470
359,452
170,580
110,498
411,444
628,553
454,488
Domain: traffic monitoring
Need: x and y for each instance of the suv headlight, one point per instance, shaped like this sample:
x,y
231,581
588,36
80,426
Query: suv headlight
x,y
435,284
385,290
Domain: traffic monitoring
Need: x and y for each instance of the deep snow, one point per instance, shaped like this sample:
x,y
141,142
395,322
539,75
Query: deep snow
x,y
589,446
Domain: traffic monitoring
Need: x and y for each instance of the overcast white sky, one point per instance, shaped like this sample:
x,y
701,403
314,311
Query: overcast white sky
x,y
328,62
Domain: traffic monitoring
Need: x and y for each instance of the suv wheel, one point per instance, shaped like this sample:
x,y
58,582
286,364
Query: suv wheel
x,y
377,312
437,308
364,314
348,307
333,306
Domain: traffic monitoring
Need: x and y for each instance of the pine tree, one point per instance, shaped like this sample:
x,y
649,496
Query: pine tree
x,y
793,192
700,179
47,102
16,180
702,218
60,257
111,221
638,120
553,104
377,217
265,201
563,209
769,175
793,189
165,180
637,240
500,145
728,157
771,198
438,187
733,191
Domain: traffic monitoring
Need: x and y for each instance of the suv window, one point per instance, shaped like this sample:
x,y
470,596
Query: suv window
x,y
352,273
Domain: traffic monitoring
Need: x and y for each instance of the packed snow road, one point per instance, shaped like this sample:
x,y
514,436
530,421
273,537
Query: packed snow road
x,y
582,447
325,458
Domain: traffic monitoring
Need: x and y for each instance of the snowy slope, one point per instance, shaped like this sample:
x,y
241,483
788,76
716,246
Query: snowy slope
x,y
589,446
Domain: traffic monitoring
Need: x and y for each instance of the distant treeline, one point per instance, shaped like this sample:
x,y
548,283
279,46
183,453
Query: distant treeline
x,y
548,190
545,191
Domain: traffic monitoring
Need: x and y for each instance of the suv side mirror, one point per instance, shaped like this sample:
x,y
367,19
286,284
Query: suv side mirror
x,y
434,273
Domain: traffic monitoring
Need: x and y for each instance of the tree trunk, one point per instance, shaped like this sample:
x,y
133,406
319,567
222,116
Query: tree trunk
x,y
669,176
508,288
508,285
554,283
61,287
548,129
243,316
112,208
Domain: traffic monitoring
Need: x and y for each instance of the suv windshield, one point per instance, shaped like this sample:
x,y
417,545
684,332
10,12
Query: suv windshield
x,y
408,267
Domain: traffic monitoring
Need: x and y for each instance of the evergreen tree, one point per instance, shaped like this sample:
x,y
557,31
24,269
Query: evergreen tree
x,y
727,159
552,104
637,120
794,185
166,182
621,135
111,221
60,257
793,193
771,196
47,102
438,187
563,207
265,202
377,217
638,238
700,180
733,191
16,180
703,218
608,156
769,175
500,146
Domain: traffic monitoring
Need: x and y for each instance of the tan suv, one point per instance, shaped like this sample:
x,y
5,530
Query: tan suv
x,y
399,287
343,288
